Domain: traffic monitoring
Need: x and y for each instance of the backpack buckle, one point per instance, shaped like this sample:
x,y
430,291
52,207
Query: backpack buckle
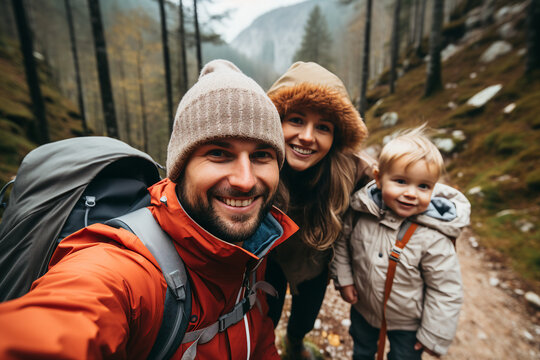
x,y
176,285
234,316
394,255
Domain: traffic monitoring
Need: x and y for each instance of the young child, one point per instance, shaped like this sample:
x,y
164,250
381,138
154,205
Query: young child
x,y
425,300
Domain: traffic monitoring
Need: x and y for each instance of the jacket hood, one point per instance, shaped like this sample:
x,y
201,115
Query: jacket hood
x,y
309,85
448,212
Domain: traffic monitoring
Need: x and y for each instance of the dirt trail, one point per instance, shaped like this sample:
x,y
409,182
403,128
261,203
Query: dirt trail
x,y
494,321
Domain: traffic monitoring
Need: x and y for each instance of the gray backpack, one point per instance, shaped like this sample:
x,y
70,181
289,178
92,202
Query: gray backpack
x,y
64,186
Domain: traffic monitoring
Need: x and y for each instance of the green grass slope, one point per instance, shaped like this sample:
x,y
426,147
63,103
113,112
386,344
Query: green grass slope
x,y
500,156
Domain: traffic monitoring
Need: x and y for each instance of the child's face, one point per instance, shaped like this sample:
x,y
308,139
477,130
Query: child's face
x,y
308,138
407,189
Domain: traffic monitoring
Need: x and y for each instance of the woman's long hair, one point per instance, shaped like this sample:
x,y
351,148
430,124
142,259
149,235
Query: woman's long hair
x,y
317,198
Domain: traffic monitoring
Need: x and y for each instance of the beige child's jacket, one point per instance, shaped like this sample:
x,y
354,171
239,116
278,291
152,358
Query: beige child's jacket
x,y
427,292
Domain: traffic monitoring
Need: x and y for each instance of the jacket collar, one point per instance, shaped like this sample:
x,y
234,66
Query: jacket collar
x,y
265,236
275,229
448,211
439,208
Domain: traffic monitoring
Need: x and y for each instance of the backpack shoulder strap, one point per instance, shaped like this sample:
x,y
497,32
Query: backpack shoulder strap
x,y
178,297
403,237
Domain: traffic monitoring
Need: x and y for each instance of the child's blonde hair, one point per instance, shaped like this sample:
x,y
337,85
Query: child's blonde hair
x,y
414,145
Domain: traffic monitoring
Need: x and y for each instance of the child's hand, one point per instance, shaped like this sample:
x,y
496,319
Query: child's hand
x,y
349,294
419,346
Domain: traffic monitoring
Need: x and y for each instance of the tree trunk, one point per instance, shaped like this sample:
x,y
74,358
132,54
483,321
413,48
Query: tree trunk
x,y
419,51
182,34
365,61
73,41
394,51
415,22
102,63
141,95
125,104
166,61
533,38
41,130
406,10
197,36
434,79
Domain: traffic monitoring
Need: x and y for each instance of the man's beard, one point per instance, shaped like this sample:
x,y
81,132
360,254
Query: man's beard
x,y
205,215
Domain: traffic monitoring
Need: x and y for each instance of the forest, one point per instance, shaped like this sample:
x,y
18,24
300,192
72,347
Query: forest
x,y
469,68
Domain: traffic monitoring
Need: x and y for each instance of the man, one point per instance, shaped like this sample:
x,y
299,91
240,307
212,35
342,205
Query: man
x,y
103,295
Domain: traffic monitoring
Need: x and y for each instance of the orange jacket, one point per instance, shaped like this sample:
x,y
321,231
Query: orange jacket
x,y
103,295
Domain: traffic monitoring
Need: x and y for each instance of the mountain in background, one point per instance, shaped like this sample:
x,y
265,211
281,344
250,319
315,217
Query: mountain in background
x,y
274,37
262,73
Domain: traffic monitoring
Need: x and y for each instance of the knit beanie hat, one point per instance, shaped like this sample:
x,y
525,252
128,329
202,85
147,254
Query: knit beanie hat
x,y
224,103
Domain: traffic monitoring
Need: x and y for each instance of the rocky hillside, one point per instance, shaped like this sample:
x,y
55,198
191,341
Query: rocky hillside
x,y
488,127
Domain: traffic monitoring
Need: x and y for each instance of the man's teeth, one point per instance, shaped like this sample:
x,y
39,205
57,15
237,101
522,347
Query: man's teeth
x,y
303,151
237,203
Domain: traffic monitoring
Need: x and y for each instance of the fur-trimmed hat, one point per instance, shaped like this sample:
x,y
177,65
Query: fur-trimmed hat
x,y
309,85
224,103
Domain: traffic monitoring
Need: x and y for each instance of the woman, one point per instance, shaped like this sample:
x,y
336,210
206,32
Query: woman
x,y
323,133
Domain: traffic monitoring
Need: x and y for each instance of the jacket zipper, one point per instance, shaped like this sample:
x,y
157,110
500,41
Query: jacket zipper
x,y
373,264
239,297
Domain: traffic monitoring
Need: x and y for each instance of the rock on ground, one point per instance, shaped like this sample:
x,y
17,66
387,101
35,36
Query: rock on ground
x,y
481,98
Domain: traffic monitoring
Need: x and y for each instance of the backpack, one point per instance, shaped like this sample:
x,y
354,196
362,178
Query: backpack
x,y
66,185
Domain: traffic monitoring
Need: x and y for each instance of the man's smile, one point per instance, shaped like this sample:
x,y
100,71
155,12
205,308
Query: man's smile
x,y
237,202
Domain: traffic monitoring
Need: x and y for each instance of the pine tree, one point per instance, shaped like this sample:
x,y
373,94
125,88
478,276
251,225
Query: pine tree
x,y
316,42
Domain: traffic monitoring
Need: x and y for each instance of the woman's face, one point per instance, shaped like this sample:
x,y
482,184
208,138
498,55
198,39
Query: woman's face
x,y
308,138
